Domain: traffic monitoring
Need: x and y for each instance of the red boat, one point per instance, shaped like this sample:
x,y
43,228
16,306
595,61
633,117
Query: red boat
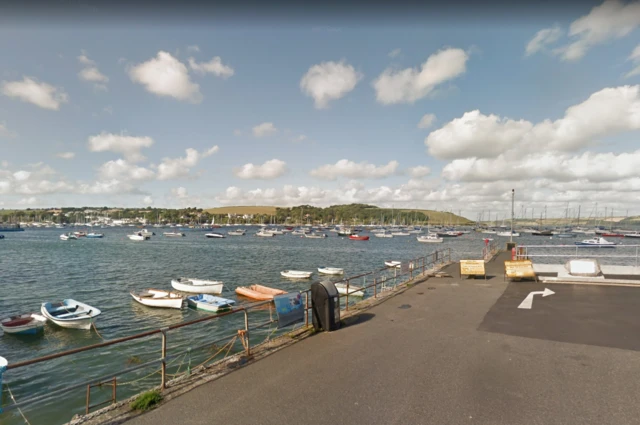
x,y
612,235
359,238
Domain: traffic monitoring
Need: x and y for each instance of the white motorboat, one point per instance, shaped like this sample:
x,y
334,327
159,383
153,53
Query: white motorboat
x,y
508,234
632,235
214,235
401,233
95,235
383,235
395,264
145,232
238,232
210,303
296,274
68,237
430,239
174,234
138,237
596,242
354,291
70,314
315,235
330,270
158,298
24,324
265,234
275,231
197,286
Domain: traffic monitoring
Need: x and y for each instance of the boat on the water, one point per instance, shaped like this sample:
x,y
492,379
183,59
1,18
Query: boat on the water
x,y
430,239
449,234
383,234
1,236
612,235
80,234
400,234
265,234
330,270
139,236
632,235
395,264
315,235
24,324
70,314
215,235
542,233
508,234
296,274
565,235
174,234
95,235
358,238
596,242
158,298
68,237
259,292
354,291
197,286
210,303
236,232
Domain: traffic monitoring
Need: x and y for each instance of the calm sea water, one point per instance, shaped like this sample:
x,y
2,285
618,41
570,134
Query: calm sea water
x,y
36,266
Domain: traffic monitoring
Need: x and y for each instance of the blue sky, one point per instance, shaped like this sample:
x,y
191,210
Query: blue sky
x,y
257,80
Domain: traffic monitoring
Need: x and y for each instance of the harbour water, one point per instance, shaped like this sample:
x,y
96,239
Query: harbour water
x,y
36,266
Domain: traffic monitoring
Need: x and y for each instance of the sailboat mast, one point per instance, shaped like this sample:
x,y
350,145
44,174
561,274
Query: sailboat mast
x,y
513,192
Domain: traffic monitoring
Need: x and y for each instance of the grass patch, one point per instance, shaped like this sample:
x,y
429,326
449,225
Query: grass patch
x,y
146,401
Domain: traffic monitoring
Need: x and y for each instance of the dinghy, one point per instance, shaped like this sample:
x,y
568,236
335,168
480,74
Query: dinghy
x,y
315,235
383,235
197,286
173,235
138,237
95,235
395,264
68,237
355,291
70,314
211,303
259,292
214,235
158,298
236,233
265,234
24,324
296,274
358,238
330,270
430,239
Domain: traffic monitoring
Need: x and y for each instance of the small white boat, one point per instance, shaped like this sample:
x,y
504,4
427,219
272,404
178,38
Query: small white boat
x,y
158,298
68,237
95,235
70,314
296,274
138,237
632,235
24,324
430,239
383,235
596,242
315,235
401,233
211,303
236,233
354,291
395,264
265,234
508,234
145,232
330,270
197,286
214,235
174,234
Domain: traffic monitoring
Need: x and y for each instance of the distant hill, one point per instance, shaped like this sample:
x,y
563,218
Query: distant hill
x,y
345,213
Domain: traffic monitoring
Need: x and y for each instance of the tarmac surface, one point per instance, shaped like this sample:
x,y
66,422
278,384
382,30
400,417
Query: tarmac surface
x,y
446,351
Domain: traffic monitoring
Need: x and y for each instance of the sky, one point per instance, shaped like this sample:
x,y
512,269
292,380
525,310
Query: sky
x,y
438,114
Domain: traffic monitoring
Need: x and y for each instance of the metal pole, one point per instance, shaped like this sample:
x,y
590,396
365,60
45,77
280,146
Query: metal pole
x,y
347,294
375,288
306,308
163,365
513,192
246,332
3,368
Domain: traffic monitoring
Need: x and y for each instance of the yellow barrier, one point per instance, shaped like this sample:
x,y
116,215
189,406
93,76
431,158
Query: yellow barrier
x,y
519,269
472,268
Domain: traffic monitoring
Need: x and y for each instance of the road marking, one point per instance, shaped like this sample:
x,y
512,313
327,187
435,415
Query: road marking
x,y
528,302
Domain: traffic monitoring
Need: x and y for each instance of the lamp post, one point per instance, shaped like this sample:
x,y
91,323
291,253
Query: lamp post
x,y
512,199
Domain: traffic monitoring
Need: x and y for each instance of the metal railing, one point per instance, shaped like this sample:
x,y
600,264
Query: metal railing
x,y
490,250
380,282
525,252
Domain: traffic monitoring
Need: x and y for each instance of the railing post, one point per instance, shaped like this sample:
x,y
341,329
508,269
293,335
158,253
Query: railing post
x,y
347,294
246,332
422,265
3,368
306,308
163,366
375,288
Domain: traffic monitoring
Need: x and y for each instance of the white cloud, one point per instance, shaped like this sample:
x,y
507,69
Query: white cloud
x,y
147,200
427,121
180,192
605,113
66,155
214,66
352,170
635,58
542,39
181,198
193,48
174,168
129,146
419,171
329,81
237,133
41,179
395,53
41,94
91,73
299,138
269,170
124,171
28,201
611,20
411,84
5,132
264,129
165,75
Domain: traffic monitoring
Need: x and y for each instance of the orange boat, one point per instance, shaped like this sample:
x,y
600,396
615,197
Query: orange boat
x,y
259,292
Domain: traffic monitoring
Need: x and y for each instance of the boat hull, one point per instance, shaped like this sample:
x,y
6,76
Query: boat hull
x,y
296,275
430,240
86,317
26,324
392,264
359,238
214,288
259,292
168,301
207,303
354,291
330,270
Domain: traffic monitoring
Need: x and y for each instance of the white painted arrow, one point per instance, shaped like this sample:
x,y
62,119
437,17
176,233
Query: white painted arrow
x,y
528,302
